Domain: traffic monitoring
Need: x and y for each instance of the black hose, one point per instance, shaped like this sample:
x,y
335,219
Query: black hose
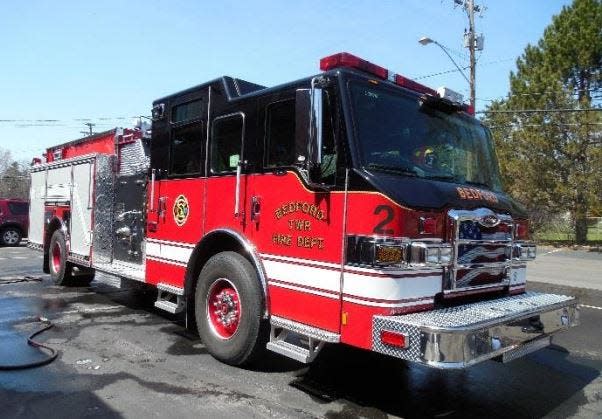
x,y
53,352
26,278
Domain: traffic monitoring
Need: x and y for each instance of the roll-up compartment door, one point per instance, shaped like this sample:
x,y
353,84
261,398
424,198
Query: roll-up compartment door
x,y
81,208
37,192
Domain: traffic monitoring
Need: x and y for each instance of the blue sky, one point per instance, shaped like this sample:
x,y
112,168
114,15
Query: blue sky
x,y
107,61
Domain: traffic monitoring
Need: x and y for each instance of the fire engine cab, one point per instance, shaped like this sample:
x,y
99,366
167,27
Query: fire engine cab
x,y
355,206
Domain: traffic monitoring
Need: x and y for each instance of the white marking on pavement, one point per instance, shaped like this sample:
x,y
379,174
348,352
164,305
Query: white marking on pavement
x,y
594,307
20,257
552,251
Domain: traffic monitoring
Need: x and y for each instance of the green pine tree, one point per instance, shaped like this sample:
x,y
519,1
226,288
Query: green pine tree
x,y
552,160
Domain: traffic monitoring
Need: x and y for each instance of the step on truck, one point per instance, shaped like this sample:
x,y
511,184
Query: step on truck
x,y
355,206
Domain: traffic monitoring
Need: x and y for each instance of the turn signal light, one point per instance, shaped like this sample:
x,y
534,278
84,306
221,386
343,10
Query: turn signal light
x,y
394,338
521,230
427,225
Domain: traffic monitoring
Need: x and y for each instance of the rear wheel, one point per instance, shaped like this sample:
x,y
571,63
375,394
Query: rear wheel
x,y
228,307
10,236
63,272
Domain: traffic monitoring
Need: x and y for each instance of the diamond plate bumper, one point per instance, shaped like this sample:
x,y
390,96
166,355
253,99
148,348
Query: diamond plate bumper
x,y
461,336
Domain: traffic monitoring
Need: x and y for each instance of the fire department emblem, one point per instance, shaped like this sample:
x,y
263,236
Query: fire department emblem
x,y
180,210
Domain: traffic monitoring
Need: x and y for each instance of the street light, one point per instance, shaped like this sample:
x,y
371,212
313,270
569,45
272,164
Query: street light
x,y
425,40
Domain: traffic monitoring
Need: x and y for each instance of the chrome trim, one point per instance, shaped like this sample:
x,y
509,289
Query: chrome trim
x,y
461,336
64,163
152,191
172,289
306,330
360,251
522,247
207,306
477,215
252,251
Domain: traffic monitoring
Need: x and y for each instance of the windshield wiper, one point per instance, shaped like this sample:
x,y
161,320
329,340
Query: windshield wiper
x,y
441,177
393,169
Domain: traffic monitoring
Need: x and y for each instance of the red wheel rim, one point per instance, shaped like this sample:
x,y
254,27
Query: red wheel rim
x,y
223,308
56,257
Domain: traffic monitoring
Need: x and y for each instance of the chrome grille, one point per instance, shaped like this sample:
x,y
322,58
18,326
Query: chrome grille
x,y
482,242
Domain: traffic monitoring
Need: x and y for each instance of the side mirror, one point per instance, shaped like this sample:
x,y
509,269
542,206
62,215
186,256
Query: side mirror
x,y
308,130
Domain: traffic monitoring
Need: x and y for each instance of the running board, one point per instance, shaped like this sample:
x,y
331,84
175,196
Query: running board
x,y
170,298
297,340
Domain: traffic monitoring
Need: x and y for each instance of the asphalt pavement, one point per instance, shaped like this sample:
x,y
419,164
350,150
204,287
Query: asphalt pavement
x,y
119,357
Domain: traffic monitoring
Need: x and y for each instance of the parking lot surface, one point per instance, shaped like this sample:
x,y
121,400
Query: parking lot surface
x,y
119,357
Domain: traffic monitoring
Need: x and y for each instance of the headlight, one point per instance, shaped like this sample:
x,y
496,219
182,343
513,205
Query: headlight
x,y
524,251
397,252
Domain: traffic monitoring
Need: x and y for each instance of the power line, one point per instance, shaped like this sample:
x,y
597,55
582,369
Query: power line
x,y
542,110
99,118
455,70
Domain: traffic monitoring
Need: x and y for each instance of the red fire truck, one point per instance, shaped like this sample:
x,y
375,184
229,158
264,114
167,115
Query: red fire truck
x,y
355,206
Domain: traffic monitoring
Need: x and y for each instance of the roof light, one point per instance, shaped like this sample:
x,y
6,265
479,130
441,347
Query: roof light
x,y
412,85
344,59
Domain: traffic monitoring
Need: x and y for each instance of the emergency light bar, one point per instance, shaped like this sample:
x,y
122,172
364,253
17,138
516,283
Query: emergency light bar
x,y
346,60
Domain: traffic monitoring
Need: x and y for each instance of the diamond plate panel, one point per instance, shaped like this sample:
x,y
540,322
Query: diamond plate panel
x,y
480,312
458,336
413,351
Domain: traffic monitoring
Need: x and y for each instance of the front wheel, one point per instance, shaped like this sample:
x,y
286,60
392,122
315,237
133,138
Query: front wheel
x,y
228,308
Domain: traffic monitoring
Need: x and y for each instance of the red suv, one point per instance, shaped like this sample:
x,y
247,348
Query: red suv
x,y
14,221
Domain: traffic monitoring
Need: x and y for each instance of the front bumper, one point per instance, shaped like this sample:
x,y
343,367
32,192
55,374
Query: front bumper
x,y
461,336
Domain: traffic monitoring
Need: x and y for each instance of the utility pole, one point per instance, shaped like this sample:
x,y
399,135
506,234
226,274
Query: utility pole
x,y
471,41
89,125
471,47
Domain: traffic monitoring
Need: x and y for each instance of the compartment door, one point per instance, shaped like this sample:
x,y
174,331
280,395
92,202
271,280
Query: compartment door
x,y
37,191
81,208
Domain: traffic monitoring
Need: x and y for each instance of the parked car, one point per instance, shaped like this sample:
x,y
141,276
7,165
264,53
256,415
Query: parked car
x,y
14,221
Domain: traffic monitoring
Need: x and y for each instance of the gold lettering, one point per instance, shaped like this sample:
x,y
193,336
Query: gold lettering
x,y
281,239
310,242
299,206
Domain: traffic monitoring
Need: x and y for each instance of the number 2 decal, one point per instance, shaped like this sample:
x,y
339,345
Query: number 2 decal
x,y
380,227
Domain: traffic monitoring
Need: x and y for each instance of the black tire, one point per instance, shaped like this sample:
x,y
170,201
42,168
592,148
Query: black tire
x,y
231,271
10,236
60,269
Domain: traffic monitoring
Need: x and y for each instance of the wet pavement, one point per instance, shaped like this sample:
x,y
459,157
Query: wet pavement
x,y
119,357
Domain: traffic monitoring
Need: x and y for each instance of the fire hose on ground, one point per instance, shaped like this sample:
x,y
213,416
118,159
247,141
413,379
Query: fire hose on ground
x,y
53,353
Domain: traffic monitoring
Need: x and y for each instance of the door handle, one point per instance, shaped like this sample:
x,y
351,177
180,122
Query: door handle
x,y
255,209
162,207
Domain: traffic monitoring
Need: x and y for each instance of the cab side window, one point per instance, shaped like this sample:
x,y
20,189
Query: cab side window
x,y
280,134
186,150
226,146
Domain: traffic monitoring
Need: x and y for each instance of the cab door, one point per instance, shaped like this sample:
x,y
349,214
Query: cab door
x,y
296,227
176,196
226,196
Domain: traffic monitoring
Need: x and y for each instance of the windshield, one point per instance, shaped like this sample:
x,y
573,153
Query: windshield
x,y
398,134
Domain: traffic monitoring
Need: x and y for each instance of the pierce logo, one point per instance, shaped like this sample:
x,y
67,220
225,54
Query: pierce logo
x,y
181,210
